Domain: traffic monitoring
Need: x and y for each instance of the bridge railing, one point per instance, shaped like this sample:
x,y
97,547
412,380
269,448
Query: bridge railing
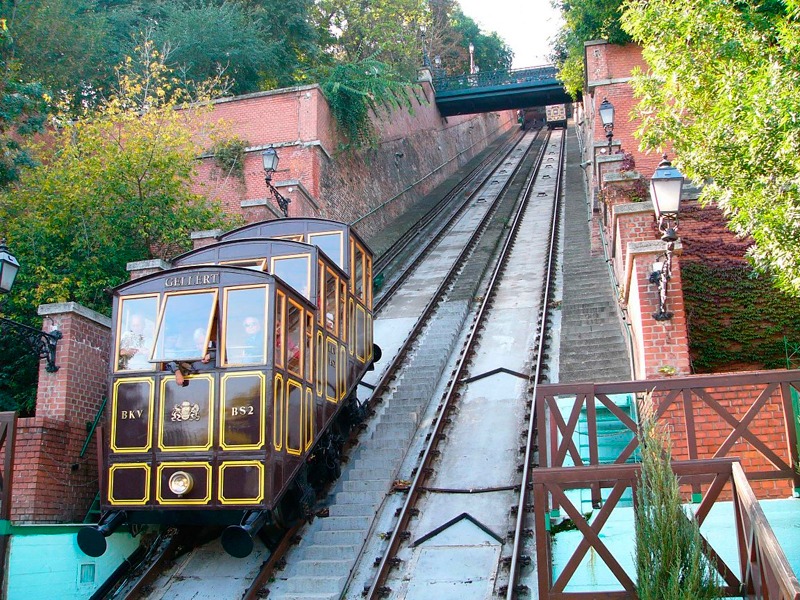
x,y
494,78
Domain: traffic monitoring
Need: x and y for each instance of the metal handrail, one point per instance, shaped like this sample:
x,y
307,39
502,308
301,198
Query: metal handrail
x,y
93,426
495,78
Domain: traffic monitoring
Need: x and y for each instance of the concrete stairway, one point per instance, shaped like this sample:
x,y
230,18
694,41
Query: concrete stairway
x,y
319,566
594,347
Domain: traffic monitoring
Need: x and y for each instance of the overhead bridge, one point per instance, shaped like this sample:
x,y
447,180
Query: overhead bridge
x,y
499,90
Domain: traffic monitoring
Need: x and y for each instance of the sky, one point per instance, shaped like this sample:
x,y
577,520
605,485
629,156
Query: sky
x,y
525,25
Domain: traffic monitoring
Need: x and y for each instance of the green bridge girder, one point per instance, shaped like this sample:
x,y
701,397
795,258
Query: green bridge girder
x,y
499,90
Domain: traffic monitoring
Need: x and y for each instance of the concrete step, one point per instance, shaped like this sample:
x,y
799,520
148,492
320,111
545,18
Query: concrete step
x,y
342,536
366,485
394,429
352,510
377,454
371,498
315,585
298,596
331,552
372,463
575,329
592,350
334,523
384,443
317,568
362,474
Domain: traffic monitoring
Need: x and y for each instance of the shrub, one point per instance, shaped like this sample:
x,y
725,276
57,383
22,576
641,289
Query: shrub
x,y
670,564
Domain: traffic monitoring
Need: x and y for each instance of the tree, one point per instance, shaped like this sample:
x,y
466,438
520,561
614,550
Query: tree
x,y
296,41
113,187
23,106
450,33
724,89
384,30
584,20
205,40
60,43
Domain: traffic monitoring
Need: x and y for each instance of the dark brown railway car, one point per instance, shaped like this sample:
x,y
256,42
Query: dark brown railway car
x,y
347,250
229,379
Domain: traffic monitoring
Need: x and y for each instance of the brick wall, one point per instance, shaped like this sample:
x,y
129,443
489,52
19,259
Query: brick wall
x,y
712,430
417,150
609,68
52,482
661,348
377,185
635,244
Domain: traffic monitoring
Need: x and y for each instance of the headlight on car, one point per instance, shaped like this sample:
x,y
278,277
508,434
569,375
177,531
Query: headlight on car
x,y
180,483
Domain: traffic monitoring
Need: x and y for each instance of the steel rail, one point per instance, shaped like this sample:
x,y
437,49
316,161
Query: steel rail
x,y
377,590
397,362
513,575
385,259
164,548
439,233
268,568
391,371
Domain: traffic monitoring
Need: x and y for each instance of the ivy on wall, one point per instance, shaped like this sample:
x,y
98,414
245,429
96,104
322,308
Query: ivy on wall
x,y
736,320
229,156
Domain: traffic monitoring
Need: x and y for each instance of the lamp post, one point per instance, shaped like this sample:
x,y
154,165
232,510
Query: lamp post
x,y
606,111
471,59
42,344
666,187
270,160
426,61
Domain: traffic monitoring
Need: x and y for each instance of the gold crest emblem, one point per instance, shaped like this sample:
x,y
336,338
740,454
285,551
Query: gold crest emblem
x,y
185,411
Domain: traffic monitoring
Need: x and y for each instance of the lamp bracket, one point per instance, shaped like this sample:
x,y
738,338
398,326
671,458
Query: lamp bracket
x,y
661,279
668,226
283,203
42,343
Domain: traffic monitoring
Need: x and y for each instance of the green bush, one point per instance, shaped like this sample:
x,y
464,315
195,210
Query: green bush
x,y
670,564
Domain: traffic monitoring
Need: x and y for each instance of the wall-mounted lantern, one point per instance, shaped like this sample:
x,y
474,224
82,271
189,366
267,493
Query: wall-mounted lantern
x,y
666,188
269,158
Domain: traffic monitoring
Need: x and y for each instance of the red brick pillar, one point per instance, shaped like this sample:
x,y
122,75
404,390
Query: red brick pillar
x,y
140,268
52,481
618,188
661,347
201,239
630,222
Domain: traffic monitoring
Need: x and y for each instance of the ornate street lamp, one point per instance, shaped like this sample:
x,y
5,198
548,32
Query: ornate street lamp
x,y
42,344
270,160
426,61
606,111
8,268
666,188
471,58
437,67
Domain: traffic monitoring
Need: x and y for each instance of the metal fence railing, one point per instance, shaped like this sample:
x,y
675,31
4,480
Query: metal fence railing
x,y
494,78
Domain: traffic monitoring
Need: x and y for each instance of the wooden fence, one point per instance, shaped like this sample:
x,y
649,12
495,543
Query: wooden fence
x,y
734,432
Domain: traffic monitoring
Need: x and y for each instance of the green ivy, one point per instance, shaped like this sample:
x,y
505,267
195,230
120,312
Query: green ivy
x,y
735,319
229,156
353,89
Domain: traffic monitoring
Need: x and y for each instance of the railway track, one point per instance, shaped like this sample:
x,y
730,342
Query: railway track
x,y
456,529
419,327
423,316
